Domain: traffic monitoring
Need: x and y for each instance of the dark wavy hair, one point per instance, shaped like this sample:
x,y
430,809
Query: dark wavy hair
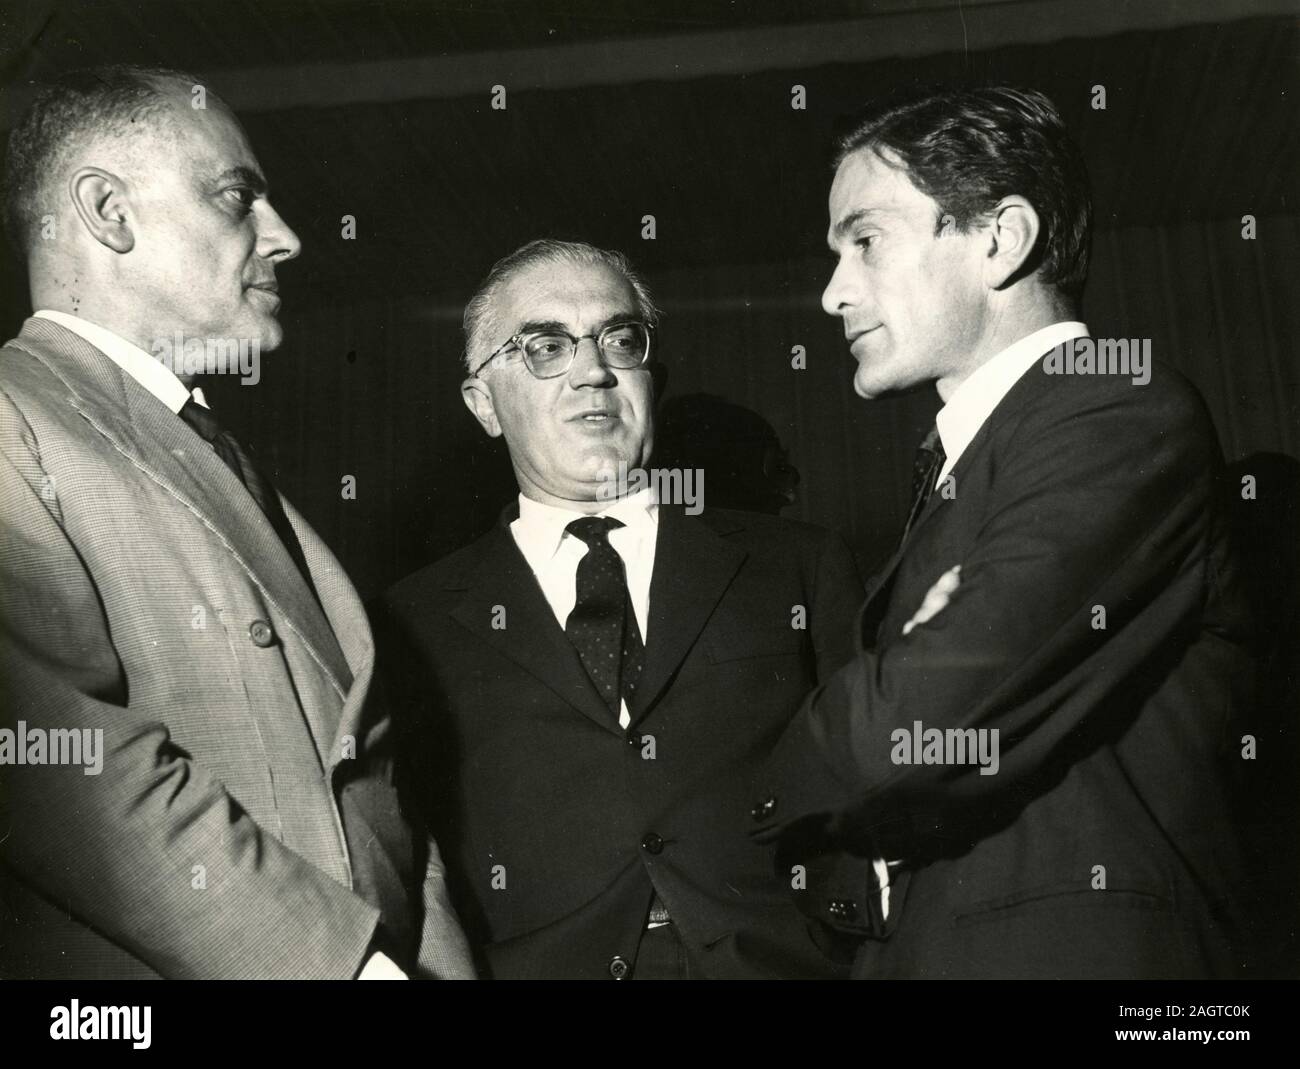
x,y
967,148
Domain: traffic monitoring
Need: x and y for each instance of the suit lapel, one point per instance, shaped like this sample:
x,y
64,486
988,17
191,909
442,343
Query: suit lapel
x,y
694,565
531,636
877,603
160,444
882,583
350,625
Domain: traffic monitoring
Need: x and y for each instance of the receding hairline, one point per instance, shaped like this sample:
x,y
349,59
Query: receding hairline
x,y
110,117
496,296
481,311
161,119
521,273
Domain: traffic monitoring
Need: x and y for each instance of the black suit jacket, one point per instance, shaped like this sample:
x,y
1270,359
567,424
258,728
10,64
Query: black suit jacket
x,y
559,824
1118,744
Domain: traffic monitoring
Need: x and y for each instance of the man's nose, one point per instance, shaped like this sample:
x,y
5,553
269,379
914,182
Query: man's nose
x,y
276,240
589,367
838,293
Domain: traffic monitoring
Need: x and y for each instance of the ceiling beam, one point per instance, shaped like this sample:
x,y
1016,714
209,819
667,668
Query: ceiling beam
x,y
972,26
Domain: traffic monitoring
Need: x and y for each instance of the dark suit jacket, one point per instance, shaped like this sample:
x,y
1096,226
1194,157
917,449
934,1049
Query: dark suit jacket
x,y
244,824
1117,745
531,781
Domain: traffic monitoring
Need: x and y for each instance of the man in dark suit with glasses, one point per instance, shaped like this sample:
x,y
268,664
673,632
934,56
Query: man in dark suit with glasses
x,y
589,686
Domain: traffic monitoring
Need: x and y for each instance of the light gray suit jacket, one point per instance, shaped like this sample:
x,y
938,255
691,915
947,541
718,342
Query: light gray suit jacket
x,y
144,594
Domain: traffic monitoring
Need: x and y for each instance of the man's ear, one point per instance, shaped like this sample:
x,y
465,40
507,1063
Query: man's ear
x,y
1013,232
478,399
100,200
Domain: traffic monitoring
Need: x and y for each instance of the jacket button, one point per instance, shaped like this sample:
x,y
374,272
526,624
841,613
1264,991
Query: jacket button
x,y
619,969
842,909
652,844
261,634
764,809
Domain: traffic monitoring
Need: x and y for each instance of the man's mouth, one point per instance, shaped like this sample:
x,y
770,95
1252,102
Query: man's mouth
x,y
853,337
270,290
594,417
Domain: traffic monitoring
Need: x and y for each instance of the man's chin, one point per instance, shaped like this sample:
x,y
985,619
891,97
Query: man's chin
x,y
270,336
870,384
868,387
604,455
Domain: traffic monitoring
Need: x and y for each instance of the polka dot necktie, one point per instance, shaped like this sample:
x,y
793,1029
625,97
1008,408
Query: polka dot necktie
x,y
602,625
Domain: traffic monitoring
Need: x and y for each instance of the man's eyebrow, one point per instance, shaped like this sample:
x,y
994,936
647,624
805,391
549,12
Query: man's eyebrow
x,y
620,317
249,177
533,325
851,220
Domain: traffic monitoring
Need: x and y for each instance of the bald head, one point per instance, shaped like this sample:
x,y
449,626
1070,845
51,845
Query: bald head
x,y
142,212
96,117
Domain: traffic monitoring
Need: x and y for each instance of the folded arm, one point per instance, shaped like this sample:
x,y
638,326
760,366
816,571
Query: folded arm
x,y
1104,508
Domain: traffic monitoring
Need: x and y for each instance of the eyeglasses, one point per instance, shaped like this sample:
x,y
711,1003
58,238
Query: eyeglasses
x,y
548,354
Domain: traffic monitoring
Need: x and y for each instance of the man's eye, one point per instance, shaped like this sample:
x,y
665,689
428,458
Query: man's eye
x,y
243,195
547,347
865,241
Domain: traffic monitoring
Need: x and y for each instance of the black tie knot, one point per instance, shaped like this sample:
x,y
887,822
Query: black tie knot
x,y
594,530
235,457
201,419
927,464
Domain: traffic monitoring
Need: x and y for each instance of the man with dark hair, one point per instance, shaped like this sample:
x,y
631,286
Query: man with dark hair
x,y
1025,769
171,628
591,684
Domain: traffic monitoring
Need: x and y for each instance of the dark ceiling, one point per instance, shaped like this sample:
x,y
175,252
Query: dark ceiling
x,y
250,33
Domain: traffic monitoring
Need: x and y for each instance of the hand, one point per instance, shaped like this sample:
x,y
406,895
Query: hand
x,y
936,598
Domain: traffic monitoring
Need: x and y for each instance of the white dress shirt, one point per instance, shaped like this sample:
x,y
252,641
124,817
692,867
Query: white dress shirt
x,y
148,371
553,554
976,398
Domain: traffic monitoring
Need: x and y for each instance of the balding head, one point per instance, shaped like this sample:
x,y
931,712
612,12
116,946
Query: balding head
x,y
143,212
87,117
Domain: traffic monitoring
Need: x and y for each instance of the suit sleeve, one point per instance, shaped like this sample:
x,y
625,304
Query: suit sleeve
x,y
1104,507
444,952
152,852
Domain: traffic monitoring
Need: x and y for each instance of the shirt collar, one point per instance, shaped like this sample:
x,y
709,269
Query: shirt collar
x,y
149,372
976,398
542,526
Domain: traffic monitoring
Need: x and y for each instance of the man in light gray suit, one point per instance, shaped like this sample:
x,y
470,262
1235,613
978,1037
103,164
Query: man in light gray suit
x,y
192,781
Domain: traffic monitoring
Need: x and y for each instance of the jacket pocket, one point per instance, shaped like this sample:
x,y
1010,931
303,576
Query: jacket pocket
x,y
1063,896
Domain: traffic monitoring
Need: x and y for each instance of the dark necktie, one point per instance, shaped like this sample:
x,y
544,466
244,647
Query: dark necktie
x,y
602,625
236,458
926,466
